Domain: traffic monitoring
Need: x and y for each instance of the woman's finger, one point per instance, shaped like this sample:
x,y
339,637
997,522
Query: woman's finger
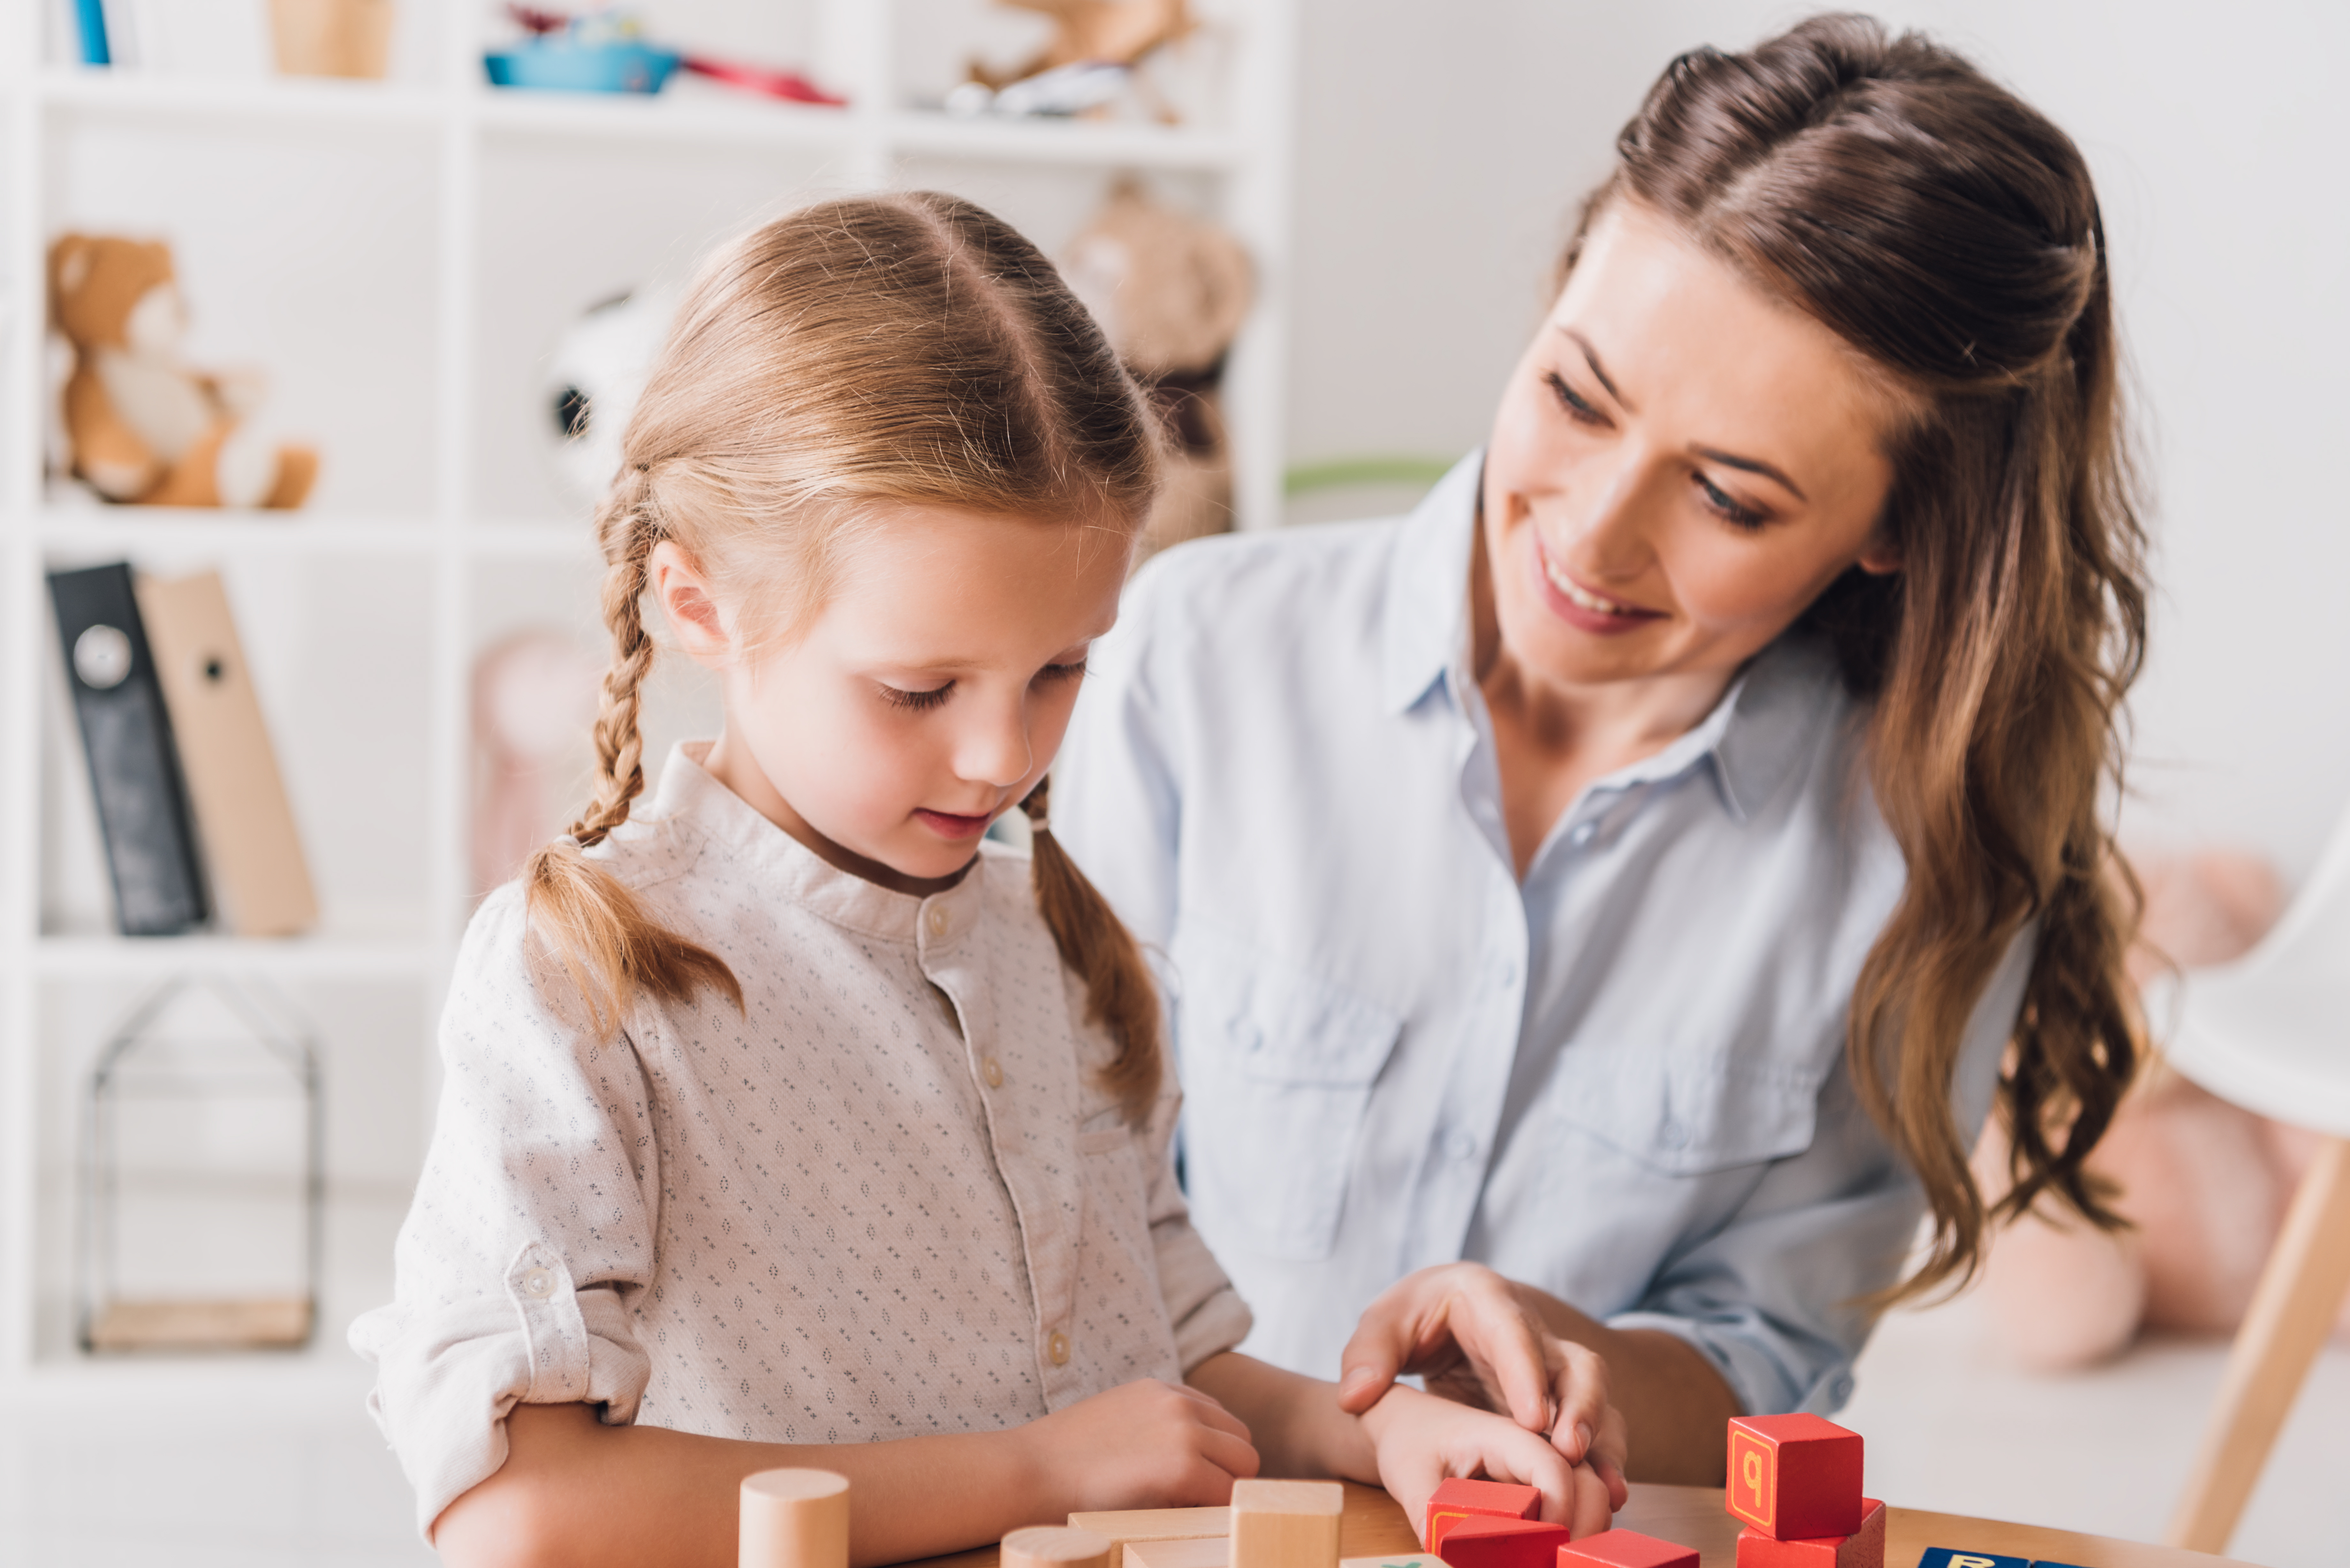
x,y
1381,1344
1513,1353
1582,1391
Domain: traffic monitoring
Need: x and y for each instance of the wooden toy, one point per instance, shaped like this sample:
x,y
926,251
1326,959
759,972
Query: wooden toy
x,y
1461,1498
1055,1546
1957,1557
1483,1541
1626,1548
1126,1526
1794,1477
1203,1551
1864,1548
793,1519
1286,1524
1409,1560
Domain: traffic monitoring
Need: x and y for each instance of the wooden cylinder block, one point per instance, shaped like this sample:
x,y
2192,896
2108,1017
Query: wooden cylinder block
x,y
1056,1547
795,1518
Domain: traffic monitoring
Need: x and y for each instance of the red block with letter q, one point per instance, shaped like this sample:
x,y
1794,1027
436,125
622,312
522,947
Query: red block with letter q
x,y
1793,1477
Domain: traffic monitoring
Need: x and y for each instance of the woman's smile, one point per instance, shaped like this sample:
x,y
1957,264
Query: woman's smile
x,y
1580,606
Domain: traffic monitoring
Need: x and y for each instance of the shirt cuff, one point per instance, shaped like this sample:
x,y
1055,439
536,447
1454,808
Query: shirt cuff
x,y
446,1378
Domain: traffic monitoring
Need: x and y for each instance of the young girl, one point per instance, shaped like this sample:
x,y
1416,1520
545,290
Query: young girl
x,y
785,1123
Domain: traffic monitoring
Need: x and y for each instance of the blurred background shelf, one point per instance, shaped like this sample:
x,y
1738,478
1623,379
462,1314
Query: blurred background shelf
x,y
401,257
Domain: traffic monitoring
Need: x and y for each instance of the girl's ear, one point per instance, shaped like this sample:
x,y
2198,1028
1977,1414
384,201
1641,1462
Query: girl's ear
x,y
686,598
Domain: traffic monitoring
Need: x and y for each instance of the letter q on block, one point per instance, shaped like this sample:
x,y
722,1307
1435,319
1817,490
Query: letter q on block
x,y
1793,1477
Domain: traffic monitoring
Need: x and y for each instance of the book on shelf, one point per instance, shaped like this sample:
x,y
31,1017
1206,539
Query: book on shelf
x,y
179,757
126,736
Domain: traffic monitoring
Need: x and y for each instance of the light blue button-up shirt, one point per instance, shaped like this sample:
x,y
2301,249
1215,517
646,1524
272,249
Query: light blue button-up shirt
x,y
1621,1080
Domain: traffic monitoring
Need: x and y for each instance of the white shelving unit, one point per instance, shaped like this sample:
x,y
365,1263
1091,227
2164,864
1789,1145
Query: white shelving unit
x,y
399,256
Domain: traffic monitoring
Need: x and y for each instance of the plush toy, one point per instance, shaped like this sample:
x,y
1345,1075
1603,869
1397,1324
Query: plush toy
x,y
1171,292
140,424
594,377
534,696
2205,1184
1094,33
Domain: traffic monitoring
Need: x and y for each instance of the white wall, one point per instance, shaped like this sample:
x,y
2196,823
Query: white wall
x,y
1441,148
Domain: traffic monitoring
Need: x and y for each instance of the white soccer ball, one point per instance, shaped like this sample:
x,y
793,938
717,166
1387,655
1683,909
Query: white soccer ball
x,y
593,380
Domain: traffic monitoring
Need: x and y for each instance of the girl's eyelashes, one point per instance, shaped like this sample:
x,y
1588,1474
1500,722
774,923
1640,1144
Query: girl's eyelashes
x,y
1052,673
1728,507
915,702
1577,408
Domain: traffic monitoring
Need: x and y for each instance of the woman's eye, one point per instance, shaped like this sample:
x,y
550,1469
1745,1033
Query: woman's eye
x,y
1729,506
1573,401
1052,673
916,701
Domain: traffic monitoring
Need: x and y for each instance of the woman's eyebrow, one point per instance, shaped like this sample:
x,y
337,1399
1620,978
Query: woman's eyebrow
x,y
1751,465
1591,358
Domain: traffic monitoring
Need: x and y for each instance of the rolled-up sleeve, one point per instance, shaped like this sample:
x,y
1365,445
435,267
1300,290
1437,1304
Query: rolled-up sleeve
x,y
1777,1298
531,1228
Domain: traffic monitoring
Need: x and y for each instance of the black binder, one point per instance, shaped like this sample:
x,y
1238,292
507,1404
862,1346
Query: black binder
x,y
134,770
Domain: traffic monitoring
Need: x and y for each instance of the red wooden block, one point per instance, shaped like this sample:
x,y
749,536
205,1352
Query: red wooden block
x,y
1864,1548
1484,1541
1626,1548
1457,1500
1793,1477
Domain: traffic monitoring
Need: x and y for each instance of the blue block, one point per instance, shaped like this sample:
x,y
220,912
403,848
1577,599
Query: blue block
x,y
1960,1557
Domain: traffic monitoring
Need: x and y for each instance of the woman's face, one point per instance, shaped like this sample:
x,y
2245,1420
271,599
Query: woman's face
x,y
1680,467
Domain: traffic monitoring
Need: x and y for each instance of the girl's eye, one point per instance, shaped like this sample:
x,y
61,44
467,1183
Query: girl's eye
x,y
916,701
1731,510
1052,673
1578,409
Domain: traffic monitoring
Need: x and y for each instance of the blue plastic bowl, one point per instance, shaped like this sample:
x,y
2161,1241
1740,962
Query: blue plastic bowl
x,y
564,66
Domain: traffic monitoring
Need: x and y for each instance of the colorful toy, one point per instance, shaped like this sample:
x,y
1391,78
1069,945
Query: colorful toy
x,y
1794,1477
141,425
1461,1499
1094,33
1626,1548
605,52
1950,1557
1864,1548
1484,1541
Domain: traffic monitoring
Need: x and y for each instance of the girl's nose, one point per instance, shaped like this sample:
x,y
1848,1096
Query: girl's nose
x,y
994,751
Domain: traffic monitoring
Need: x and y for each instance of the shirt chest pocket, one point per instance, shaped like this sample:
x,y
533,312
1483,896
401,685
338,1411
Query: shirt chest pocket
x,y
1692,1118
1278,1066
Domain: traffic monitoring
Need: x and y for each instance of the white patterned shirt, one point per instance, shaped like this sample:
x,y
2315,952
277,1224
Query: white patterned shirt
x,y
887,1199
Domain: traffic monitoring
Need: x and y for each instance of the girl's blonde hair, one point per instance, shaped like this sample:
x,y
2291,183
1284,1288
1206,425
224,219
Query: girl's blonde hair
x,y
907,348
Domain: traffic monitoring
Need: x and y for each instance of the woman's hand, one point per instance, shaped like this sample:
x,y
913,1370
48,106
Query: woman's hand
x,y
1422,1441
1141,1445
1474,1339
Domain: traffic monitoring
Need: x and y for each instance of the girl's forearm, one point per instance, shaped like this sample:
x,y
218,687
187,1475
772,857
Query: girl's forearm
x,y
577,1493
1293,1420
1675,1404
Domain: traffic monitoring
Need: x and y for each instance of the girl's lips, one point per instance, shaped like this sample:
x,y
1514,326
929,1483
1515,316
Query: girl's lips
x,y
951,825
1578,605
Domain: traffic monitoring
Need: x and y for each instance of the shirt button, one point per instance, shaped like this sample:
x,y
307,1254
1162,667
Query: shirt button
x,y
993,1073
1057,1348
1461,1145
1672,1135
536,1282
1583,833
939,921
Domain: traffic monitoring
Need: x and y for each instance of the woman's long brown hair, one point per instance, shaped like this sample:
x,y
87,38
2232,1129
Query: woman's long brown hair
x,y
907,348
1950,235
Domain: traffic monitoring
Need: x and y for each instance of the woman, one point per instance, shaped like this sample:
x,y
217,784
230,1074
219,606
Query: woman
x,y
1625,873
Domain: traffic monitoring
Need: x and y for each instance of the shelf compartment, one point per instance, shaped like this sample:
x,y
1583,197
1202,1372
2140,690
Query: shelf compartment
x,y
76,534
216,97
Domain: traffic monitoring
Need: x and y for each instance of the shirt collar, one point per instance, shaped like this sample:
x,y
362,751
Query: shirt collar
x,y
1766,720
780,865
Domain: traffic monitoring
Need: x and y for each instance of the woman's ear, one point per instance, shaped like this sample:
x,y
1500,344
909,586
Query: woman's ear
x,y
1880,556
686,598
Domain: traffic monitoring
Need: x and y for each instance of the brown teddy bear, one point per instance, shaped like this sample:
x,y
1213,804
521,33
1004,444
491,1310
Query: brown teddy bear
x,y
140,425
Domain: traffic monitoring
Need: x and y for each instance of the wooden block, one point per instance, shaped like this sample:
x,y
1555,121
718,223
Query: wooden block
x,y
1286,1524
1865,1548
1055,1546
1958,1557
1408,1560
1124,1527
1461,1498
1626,1548
1483,1541
1794,1477
795,1518
1201,1552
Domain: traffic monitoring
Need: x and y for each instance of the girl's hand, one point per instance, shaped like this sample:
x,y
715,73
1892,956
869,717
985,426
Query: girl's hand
x,y
1470,1334
1422,1441
1141,1445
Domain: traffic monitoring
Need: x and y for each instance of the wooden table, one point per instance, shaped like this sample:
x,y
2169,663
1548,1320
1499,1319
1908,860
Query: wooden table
x,y
1692,1515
